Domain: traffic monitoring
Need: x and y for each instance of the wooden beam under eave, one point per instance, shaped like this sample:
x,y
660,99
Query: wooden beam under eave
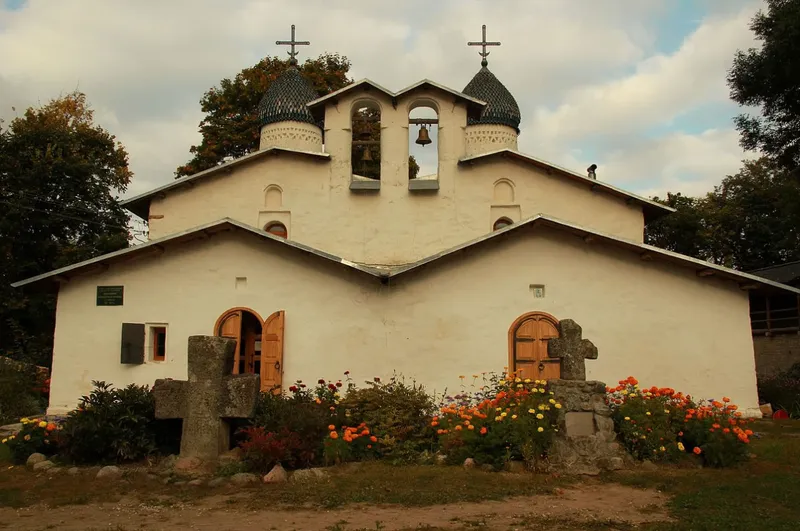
x,y
749,286
705,272
647,257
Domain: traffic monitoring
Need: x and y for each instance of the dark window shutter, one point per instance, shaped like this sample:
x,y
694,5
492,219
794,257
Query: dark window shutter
x,y
132,343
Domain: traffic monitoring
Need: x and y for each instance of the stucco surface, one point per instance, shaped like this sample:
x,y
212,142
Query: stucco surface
x,y
658,322
393,225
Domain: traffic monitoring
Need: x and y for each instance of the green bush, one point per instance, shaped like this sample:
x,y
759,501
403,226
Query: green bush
x,y
397,412
114,425
782,391
36,436
20,393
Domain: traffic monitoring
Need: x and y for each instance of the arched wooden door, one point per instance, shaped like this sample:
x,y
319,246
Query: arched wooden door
x,y
527,346
272,353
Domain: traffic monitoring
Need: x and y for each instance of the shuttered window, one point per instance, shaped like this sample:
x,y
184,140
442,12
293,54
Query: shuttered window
x,y
132,347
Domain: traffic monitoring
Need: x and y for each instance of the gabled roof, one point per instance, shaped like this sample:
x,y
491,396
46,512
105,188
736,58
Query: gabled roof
x,y
652,209
140,204
386,274
474,105
788,273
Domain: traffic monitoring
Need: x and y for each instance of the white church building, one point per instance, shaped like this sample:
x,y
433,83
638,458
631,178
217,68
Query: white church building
x,y
321,253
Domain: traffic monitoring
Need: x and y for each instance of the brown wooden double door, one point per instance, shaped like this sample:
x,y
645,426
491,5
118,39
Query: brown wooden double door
x,y
259,344
527,346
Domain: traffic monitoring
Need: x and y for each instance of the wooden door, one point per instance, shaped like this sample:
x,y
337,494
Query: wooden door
x,y
272,353
528,339
230,325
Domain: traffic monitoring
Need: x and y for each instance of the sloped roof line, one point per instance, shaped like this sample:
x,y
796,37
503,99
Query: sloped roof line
x,y
386,274
356,84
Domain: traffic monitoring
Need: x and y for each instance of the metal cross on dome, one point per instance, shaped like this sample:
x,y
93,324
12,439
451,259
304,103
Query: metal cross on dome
x,y
292,43
483,44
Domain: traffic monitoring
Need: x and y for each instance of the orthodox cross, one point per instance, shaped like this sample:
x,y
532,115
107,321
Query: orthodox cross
x,y
483,44
293,43
572,349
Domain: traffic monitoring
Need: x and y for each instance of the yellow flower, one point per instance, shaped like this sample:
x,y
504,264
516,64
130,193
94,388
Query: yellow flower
x,y
643,437
541,390
681,447
539,416
5,441
623,392
632,395
42,424
663,449
502,382
541,407
503,414
531,410
498,418
475,375
666,411
552,393
527,380
24,420
519,385
27,437
513,416
540,429
647,413
518,380
558,406
462,377
552,401
627,418
498,408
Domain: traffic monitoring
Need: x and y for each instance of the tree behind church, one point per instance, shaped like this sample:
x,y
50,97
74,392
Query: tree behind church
x,y
59,178
231,127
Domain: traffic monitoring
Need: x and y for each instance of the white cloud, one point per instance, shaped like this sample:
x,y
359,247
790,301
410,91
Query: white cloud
x,y
145,64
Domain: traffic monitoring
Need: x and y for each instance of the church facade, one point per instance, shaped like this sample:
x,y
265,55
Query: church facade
x,y
322,253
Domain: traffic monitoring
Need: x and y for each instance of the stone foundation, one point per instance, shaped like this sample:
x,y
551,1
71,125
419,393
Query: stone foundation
x,y
587,441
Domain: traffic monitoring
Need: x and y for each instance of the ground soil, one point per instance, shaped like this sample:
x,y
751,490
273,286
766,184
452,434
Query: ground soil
x,y
589,503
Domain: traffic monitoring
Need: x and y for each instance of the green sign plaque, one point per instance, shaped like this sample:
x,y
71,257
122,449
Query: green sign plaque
x,y
109,295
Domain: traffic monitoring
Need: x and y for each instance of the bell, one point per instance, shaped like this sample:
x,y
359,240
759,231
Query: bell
x,y
367,156
423,139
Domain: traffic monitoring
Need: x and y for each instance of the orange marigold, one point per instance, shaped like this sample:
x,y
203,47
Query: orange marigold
x,y
697,450
331,427
334,435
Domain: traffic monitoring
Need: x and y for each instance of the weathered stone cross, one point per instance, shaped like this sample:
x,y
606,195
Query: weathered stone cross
x,y
572,349
211,395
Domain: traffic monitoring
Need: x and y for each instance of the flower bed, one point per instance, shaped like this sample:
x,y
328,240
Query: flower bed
x,y
661,424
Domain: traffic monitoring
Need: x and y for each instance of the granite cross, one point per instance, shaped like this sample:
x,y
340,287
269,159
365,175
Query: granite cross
x,y
572,349
211,395
483,44
292,43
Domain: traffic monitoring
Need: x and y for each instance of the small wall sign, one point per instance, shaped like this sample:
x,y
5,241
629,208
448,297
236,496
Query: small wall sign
x,y
109,295
538,291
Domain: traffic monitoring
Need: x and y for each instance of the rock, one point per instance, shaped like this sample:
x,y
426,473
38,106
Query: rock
x,y
196,482
10,429
109,472
649,465
166,481
35,458
43,465
179,483
244,478
74,471
230,457
469,462
309,474
515,467
766,411
187,464
168,463
217,482
441,459
614,463
276,475
52,471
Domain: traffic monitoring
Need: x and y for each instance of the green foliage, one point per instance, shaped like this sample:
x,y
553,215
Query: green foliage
x,y
36,436
782,390
350,443
768,78
398,411
231,127
60,175
19,393
749,221
112,425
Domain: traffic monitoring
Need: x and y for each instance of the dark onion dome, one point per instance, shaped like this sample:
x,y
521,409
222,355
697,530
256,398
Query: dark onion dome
x,y
501,107
286,99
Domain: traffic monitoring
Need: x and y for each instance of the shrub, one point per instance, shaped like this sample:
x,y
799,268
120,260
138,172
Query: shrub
x,y
112,425
661,424
263,450
782,390
398,411
35,436
507,419
20,391
350,444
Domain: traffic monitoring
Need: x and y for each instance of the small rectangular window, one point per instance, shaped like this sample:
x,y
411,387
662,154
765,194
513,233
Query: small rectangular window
x,y
158,338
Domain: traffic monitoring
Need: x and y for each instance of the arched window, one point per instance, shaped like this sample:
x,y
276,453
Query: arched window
x,y
365,153
502,223
423,141
277,228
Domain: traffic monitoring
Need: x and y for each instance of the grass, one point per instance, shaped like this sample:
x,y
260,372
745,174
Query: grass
x,y
5,454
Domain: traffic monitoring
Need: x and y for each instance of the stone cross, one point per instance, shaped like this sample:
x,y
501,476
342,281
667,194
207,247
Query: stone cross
x,y
483,44
572,349
211,395
292,43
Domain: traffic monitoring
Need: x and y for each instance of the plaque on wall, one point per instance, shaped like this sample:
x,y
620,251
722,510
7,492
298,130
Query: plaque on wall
x,y
109,295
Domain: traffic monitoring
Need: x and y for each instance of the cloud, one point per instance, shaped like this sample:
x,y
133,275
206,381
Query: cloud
x,y
587,75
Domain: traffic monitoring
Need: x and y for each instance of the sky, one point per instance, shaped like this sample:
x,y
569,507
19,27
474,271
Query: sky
x,y
635,86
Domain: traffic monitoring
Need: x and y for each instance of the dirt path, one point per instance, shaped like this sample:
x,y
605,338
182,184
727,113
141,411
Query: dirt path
x,y
584,504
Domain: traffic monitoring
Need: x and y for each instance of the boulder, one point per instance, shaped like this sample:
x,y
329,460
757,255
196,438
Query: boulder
x,y
74,471
276,475
187,464
109,472
469,462
217,482
10,429
309,474
244,478
35,458
649,465
43,465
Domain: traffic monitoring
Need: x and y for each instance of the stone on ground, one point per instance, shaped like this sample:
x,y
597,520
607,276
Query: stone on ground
x,y
109,472
244,478
35,458
276,475
309,474
469,462
649,465
43,465
187,464
10,429
217,482
486,467
74,471
196,482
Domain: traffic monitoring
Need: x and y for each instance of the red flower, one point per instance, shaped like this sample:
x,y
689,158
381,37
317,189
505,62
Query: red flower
x,y
293,389
346,373
697,450
302,385
331,387
377,379
338,384
321,381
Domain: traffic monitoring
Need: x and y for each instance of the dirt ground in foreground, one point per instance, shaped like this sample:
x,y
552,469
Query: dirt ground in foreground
x,y
589,503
